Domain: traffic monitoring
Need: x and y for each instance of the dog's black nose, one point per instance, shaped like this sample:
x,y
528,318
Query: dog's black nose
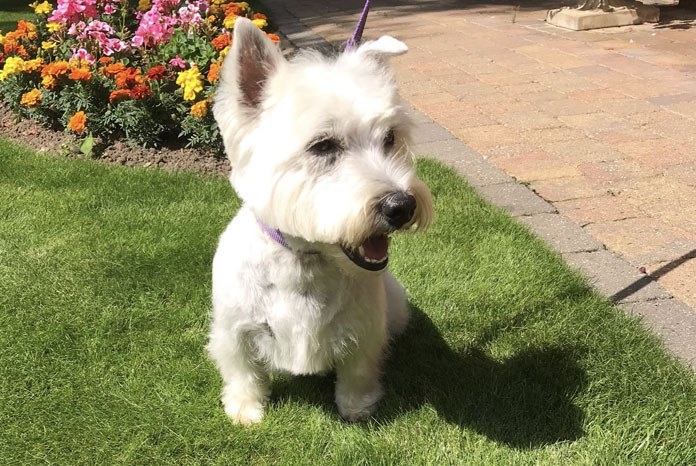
x,y
398,208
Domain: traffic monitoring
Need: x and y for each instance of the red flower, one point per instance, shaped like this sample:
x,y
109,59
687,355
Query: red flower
x,y
157,72
140,91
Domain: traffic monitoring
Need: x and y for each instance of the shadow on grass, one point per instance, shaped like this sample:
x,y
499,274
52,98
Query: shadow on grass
x,y
525,401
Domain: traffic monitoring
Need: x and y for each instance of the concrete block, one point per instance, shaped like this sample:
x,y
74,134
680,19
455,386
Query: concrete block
x,y
615,278
582,20
563,235
516,199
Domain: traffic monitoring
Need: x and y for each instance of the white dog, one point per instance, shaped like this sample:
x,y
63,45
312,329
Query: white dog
x,y
318,148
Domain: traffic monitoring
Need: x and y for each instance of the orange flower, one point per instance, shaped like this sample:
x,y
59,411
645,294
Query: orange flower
x,y
31,99
140,91
80,74
56,68
220,42
274,37
106,60
213,73
77,122
259,16
119,94
199,109
128,78
114,69
33,65
232,9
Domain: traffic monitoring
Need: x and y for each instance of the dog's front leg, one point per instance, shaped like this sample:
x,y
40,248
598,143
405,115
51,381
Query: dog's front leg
x,y
245,383
358,386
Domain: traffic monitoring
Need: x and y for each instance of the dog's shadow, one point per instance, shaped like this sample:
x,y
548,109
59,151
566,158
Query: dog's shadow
x,y
525,401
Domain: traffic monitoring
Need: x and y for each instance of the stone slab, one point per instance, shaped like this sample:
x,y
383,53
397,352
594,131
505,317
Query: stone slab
x,y
516,199
563,235
580,20
615,278
673,321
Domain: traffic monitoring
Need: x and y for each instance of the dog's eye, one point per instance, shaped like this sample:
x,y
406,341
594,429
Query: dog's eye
x,y
389,139
324,147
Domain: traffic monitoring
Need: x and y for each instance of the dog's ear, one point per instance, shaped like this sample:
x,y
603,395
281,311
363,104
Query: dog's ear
x,y
251,61
384,47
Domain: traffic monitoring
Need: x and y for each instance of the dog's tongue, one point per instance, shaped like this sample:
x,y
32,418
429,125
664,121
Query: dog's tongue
x,y
376,247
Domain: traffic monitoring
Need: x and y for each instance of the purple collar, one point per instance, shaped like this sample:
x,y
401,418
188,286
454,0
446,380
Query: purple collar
x,y
274,233
278,237
357,34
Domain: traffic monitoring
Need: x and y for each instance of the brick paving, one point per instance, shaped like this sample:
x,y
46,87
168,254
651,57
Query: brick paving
x,y
599,124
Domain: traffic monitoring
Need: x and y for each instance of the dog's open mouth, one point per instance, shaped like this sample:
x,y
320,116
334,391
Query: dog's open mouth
x,y
372,255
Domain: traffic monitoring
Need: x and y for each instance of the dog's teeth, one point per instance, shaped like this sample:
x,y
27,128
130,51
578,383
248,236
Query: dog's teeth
x,y
361,250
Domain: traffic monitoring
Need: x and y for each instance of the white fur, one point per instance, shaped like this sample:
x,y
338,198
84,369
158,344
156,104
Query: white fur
x,y
307,309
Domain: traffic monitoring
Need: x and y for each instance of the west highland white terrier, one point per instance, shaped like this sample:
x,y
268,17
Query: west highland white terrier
x,y
319,153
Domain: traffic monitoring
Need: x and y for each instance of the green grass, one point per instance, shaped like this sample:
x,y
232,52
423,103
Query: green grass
x,y
104,301
12,11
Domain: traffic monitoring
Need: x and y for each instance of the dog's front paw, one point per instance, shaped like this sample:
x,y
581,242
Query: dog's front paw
x,y
244,412
358,406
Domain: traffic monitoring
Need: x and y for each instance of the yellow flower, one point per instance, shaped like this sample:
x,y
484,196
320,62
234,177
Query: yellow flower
x,y
13,66
199,109
31,99
2,38
53,27
229,21
144,5
48,45
33,65
190,81
211,19
41,8
224,51
48,81
260,23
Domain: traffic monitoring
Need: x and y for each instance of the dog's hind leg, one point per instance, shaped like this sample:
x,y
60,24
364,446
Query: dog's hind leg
x,y
245,383
398,313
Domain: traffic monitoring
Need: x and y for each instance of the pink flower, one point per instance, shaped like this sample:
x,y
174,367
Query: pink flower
x,y
154,28
72,10
82,54
177,62
100,32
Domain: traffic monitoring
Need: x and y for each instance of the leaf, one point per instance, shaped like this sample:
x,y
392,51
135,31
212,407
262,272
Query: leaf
x,y
87,145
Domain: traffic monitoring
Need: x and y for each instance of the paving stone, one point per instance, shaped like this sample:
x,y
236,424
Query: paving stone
x,y
598,209
673,321
560,233
515,198
429,132
614,277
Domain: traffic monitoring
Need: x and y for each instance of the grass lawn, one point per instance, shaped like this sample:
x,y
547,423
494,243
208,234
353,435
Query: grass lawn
x,y
12,11
104,300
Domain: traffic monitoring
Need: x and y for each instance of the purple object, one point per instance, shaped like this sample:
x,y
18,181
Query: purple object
x,y
274,233
357,34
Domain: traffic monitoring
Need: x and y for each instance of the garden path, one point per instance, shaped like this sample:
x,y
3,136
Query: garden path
x,y
599,124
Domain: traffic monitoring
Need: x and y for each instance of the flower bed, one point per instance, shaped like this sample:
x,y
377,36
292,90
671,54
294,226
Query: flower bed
x,y
144,71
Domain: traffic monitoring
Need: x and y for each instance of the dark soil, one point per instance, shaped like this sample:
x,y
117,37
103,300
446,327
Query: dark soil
x,y
61,144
